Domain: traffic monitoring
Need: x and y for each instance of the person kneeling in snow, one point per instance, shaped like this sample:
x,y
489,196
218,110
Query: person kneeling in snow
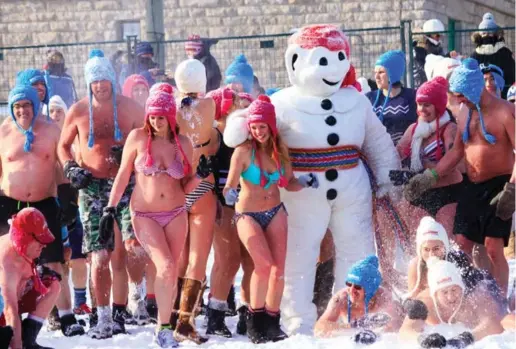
x,y
363,304
444,302
26,289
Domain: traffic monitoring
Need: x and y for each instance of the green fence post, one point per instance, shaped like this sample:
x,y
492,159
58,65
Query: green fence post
x,y
411,55
403,47
451,34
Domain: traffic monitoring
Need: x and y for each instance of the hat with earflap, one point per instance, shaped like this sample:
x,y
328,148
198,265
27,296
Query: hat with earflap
x,y
442,274
239,71
366,274
394,64
20,93
32,76
496,72
99,68
468,80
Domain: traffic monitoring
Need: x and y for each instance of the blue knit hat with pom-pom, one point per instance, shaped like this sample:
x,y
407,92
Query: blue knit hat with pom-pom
x,y
20,93
239,71
468,80
496,72
394,63
99,68
365,273
488,22
30,77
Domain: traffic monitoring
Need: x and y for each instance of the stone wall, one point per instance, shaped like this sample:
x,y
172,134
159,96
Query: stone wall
x,y
66,22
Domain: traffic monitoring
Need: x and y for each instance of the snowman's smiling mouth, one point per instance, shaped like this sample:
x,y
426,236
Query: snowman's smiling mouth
x,y
329,82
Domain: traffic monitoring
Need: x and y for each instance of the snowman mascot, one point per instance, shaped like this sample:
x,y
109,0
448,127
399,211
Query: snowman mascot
x,y
331,130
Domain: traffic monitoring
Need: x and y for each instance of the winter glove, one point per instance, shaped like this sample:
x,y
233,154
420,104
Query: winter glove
x,y
231,197
434,340
79,177
68,197
206,166
116,153
400,177
365,337
308,180
419,184
504,202
375,320
415,309
107,225
461,341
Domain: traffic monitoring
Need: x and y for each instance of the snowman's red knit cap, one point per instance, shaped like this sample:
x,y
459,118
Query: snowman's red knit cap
x,y
325,35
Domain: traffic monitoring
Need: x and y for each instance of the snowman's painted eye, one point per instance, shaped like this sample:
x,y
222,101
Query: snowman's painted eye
x,y
323,61
294,59
341,56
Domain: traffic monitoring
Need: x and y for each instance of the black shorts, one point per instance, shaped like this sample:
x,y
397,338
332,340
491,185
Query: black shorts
x,y
435,199
52,253
475,218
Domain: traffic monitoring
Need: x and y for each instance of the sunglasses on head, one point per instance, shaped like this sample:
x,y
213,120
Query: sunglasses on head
x,y
356,287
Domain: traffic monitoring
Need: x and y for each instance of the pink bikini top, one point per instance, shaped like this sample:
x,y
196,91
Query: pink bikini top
x,y
175,170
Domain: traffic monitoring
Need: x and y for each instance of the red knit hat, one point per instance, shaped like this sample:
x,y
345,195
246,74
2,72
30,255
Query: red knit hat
x,y
27,226
223,98
162,104
162,87
194,44
262,110
434,92
130,82
246,96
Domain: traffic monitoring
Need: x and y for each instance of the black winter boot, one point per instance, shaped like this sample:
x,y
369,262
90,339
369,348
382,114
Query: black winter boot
x,y
241,327
273,329
256,326
119,319
70,327
30,331
216,324
231,302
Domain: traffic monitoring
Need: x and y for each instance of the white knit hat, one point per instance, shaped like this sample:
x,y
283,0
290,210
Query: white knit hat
x,y
436,65
430,229
190,76
443,274
58,102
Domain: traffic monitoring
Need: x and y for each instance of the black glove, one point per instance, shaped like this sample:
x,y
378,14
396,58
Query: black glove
x,y
400,177
45,272
461,341
107,225
68,197
434,340
504,202
79,177
415,309
116,153
365,337
206,166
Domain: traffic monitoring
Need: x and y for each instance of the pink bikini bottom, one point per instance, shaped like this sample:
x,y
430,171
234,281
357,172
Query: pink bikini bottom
x,y
162,218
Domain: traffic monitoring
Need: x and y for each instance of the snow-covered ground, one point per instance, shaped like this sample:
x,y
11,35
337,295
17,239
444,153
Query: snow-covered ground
x,y
142,337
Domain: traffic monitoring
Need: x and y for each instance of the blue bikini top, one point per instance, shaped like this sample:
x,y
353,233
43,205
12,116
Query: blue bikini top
x,y
253,174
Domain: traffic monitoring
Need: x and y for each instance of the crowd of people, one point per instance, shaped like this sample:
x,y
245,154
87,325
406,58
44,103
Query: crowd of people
x,y
311,190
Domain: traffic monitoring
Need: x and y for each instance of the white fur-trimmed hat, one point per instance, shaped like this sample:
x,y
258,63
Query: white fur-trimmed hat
x,y
190,76
430,229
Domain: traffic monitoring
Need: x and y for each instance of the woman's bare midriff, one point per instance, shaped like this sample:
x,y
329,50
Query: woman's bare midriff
x,y
157,193
253,198
29,183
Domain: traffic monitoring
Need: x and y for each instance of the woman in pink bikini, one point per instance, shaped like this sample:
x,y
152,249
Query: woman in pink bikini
x,y
161,159
261,165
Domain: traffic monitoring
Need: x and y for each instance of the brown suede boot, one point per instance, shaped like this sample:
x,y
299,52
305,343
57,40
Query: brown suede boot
x,y
175,311
185,328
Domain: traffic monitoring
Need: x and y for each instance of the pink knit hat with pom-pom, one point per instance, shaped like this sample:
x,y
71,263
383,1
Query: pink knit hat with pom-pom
x,y
434,92
223,98
130,82
246,96
161,103
262,110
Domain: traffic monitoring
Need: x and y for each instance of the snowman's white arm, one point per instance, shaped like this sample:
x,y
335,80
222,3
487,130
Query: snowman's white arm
x,y
379,148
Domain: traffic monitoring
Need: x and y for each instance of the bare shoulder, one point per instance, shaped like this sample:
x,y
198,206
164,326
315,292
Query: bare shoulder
x,y
129,106
136,135
505,109
243,150
185,142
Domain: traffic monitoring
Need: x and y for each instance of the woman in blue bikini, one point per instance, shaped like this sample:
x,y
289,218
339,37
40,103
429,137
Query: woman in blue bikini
x,y
262,165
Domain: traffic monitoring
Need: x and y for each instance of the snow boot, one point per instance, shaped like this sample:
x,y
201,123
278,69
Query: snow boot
x,y
216,324
185,328
152,310
273,330
256,322
30,331
231,311
120,318
165,338
70,327
241,327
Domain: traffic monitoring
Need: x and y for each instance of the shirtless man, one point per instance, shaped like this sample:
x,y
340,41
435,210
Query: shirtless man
x,y
445,302
100,121
486,141
30,177
25,289
363,304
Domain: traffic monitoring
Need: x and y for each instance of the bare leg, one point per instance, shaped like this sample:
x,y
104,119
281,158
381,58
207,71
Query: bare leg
x,y
63,301
137,261
118,266
101,277
150,277
79,272
248,268
47,302
500,269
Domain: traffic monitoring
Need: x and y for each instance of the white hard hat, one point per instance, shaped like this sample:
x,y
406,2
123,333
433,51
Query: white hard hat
x,y
433,25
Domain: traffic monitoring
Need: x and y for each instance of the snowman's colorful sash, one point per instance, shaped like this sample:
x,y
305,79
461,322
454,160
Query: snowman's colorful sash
x,y
320,160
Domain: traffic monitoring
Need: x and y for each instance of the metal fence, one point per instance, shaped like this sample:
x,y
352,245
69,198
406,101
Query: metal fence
x,y
265,53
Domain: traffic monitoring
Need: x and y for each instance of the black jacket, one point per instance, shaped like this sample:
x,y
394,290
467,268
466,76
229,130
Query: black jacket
x,y
213,75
